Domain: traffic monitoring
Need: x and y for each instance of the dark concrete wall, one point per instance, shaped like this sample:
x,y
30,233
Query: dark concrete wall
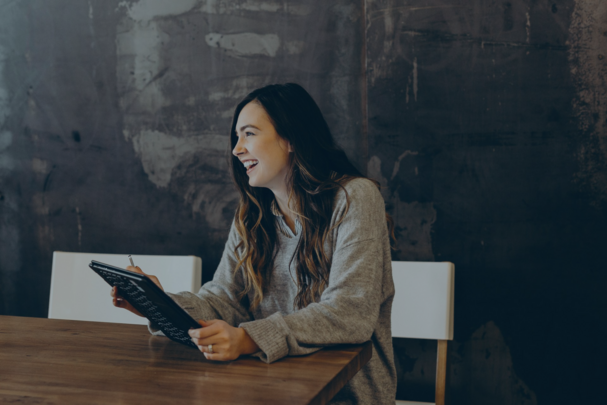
x,y
485,121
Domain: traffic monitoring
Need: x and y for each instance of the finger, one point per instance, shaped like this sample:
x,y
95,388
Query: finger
x,y
194,332
217,357
155,281
205,332
135,269
214,356
213,340
114,293
205,348
208,332
119,301
208,340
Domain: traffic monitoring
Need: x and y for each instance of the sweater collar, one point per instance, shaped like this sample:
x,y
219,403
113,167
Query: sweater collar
x,y
282,225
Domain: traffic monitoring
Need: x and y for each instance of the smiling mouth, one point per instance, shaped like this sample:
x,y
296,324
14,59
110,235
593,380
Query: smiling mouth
x,y
250,165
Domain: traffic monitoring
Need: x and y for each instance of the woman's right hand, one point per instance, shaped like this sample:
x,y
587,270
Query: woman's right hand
x,y
120,302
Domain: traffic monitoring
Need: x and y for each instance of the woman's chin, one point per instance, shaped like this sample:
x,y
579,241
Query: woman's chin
x,y
252,182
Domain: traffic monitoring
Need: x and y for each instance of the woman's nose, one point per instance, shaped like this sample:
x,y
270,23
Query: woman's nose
x,y
239,148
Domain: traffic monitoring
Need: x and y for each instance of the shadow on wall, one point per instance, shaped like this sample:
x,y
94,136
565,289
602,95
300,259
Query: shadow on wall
x,y
480,368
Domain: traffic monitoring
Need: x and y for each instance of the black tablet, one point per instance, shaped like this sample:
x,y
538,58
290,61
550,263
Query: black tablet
x,y
150,300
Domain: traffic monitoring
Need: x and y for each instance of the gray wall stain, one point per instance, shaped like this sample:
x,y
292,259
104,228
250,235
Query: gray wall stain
x,y
231,7
588,65
160,153
475,360
245,44
144,75
146,10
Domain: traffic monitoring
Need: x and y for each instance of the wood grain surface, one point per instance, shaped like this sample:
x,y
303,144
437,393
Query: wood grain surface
x,y
50,361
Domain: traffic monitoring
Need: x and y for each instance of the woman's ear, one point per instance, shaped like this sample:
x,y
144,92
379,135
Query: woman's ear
x,y
290,147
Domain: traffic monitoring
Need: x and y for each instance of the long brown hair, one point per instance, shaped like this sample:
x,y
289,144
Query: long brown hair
x,y
318,169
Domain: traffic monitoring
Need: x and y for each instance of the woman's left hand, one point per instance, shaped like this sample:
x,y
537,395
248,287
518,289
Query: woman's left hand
x,y
228,342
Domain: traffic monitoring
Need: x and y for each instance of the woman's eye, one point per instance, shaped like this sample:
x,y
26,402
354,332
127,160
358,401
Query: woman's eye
x,y
249,133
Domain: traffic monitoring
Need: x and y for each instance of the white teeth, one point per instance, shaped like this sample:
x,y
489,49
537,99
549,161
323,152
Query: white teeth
x,y
250,163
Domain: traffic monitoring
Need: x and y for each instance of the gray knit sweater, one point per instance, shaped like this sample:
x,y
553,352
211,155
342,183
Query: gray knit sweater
x,y
354,308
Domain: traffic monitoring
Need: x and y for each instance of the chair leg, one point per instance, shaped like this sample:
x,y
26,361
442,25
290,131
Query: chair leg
x,y
441,372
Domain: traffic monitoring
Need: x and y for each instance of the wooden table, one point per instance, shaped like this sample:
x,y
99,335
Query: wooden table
x,y
49,361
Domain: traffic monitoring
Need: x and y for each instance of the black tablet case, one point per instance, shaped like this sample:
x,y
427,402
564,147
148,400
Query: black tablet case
x,y
150,301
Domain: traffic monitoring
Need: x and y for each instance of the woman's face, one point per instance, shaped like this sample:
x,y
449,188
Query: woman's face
x,y
263,152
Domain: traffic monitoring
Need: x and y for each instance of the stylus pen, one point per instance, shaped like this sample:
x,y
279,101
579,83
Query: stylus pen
x,y
131,259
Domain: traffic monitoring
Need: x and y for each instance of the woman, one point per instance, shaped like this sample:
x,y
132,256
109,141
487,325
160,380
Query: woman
x,y
307,263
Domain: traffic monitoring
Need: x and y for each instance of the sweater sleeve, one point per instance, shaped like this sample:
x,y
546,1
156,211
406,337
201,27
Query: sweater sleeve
x,y
217,299
348,310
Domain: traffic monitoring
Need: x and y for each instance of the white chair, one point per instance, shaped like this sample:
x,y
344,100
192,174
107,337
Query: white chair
x,y
423,309
78,293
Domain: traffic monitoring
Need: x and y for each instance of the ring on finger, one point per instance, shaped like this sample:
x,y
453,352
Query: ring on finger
x,y
210,347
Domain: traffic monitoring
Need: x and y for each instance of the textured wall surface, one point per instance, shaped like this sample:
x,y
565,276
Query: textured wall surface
x,y
485,121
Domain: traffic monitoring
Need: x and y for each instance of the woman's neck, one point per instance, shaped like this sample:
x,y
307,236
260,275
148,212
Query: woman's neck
x,y
282,200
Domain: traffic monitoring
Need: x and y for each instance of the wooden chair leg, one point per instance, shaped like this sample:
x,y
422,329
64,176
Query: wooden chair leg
x,y
441,372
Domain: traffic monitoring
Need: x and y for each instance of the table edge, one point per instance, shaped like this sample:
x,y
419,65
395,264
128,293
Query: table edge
x,y
344,376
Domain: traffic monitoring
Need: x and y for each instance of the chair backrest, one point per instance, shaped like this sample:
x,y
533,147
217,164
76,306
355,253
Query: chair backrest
x,y
423,302
78,293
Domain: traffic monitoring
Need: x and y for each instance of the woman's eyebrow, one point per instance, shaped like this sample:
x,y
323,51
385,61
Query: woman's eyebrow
x,y
248,126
